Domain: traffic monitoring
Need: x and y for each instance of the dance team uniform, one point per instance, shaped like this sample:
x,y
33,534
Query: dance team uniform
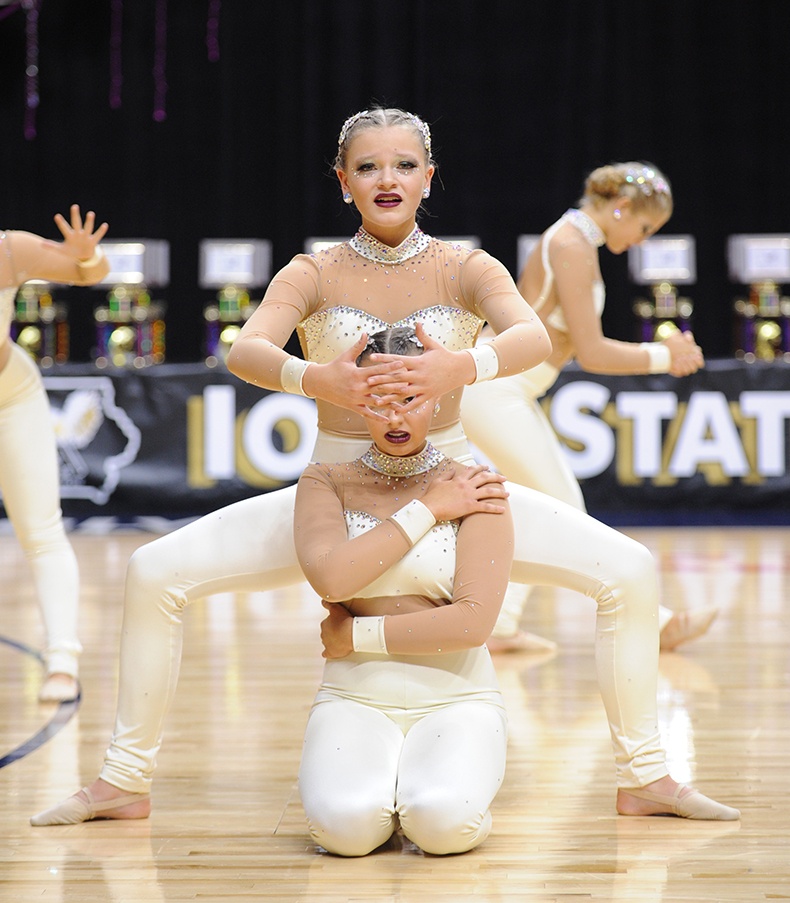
x,y
411,729
30,481
331,298
527,451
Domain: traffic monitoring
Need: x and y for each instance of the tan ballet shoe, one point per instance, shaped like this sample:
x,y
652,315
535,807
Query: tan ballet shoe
x,y
685,626
59,688
693,805
75,810
522,641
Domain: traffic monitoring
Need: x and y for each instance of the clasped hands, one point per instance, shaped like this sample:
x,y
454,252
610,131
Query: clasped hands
x,y
389,378
687,356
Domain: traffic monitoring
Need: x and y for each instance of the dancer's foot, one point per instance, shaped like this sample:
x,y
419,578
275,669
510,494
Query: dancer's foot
x,y
520,642
99,800
59,687
684,626
667,797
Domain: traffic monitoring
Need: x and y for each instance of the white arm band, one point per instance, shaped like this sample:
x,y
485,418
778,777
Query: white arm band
x,y
415,519
96,258
486,362
367,635
660,356
291,376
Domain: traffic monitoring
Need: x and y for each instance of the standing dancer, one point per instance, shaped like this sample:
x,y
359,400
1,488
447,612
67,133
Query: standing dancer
x,y
623,204
389,273
29,474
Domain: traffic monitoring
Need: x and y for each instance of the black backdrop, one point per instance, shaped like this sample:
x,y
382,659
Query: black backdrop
x,y
524,98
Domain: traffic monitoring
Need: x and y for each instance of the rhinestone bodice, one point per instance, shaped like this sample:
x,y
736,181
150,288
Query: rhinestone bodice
x,y
427,569
330,332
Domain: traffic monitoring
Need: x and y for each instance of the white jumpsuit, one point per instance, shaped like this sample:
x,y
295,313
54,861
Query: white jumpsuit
x,y
334,296
414,739
30,483
527,451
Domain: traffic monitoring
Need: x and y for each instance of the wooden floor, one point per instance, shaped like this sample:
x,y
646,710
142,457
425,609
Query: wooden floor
x,y
228,824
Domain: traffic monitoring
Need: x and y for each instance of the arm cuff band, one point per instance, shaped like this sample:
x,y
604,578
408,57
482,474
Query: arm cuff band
x,y
97,257
486,362
292,374
660,356
415,519
367,635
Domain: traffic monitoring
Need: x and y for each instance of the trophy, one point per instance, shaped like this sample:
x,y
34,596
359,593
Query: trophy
x,y
130,329
663,264
232,266
762,320
40,325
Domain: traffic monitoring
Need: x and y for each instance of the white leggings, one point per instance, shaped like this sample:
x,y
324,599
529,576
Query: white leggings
x,y
249,546
30,483
416,742
526,451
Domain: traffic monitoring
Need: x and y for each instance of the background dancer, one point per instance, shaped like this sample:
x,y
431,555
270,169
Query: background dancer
x,y
29,473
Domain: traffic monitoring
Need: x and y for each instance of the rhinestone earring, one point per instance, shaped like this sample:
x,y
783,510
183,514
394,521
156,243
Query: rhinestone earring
x,y
347,199
426,193
616,214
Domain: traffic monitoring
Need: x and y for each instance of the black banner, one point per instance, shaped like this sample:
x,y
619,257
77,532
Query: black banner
x,y
180,440
709,448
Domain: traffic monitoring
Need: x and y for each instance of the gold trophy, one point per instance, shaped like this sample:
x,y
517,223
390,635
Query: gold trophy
x,y
762,320
130,328
663,264
40,324
233,267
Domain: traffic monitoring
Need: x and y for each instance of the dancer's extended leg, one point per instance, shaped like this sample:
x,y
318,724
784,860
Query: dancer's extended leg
x,y
30,482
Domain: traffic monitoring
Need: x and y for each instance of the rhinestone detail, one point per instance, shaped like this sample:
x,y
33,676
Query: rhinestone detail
x,y
371,248
589,229
407,466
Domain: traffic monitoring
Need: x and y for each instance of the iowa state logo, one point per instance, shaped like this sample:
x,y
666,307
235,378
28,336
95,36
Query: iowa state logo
x,y
96,439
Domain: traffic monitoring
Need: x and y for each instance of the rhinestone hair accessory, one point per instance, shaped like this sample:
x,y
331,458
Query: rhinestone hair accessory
x,y
373,249
646,180
421,127
351,121
591,231
408,466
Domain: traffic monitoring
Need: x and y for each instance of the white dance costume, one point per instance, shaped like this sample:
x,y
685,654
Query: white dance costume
x,y
418,740
30,483
528,451
333,297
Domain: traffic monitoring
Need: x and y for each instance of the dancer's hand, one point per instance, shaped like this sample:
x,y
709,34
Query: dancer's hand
x,y
686,354
337,631
341,382
431,374
472,490
80,238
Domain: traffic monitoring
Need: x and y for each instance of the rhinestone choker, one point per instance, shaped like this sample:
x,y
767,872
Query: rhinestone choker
x,y
588,228
407,466
373,249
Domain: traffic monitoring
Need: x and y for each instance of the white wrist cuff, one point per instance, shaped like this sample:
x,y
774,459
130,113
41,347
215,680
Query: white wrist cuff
x,y
367,635
660,356
291,376
97,257
415,519
486,362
